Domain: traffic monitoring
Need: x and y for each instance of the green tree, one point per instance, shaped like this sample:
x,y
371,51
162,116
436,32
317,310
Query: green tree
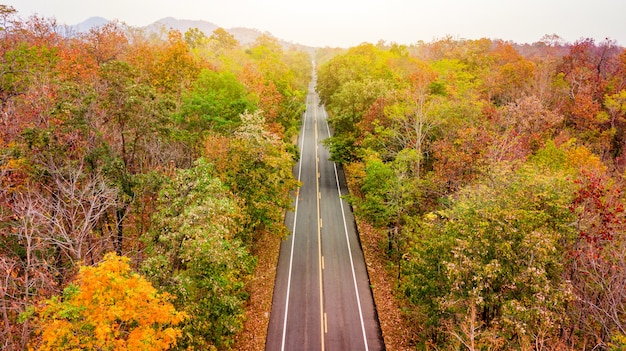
x,y
358,64
195,253
489,269
257,167
130,114
215,102
377,187
350,103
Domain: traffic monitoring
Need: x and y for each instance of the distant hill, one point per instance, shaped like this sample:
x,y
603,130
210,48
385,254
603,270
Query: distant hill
x,y
245,36
182,25
92,22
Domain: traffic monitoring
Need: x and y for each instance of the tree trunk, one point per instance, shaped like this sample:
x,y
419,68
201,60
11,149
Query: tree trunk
x,y
120,214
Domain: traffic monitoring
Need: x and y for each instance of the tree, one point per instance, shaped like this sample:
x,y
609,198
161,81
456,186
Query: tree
x,y
349,104
108,308
528,116
195,252
616,106
26,275
6,12
416,122
223,40
73,205
509,76
257,167
359,63
215,102
460,158
584,77
599,260
167,66
129,116
106,43
349,85
194,38
488,270
378,189
221,52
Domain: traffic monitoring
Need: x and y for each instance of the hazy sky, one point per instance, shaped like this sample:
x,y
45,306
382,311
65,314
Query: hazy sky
x,y
351,22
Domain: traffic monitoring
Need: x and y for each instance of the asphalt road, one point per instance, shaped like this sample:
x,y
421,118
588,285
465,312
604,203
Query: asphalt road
x,y
322,299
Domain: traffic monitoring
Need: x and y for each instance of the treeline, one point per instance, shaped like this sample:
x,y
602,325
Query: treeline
x,y
496,179
171,152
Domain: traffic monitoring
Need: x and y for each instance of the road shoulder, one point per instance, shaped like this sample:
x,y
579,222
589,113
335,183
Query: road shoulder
x,y
395,326
261,288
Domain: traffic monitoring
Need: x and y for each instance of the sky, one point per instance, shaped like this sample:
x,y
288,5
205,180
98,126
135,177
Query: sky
x,y
346,23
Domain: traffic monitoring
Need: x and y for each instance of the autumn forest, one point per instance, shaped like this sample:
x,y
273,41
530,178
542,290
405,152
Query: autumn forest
x,y
141,175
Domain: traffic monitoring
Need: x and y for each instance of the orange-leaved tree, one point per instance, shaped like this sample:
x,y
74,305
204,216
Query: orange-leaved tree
x,y
108,307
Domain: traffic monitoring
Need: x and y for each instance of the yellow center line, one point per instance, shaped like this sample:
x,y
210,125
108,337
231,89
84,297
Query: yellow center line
x,y
319,232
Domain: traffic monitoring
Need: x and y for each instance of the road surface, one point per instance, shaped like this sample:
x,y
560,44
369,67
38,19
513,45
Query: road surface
x,y
322,299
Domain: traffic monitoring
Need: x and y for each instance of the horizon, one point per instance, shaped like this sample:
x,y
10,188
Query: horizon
x,y
563,40
350,23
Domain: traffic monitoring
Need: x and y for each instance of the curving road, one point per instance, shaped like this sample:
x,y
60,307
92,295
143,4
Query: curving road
x,y
322,298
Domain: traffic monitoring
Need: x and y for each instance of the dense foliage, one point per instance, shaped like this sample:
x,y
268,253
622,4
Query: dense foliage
x,y
174,150
496,171
109,308
195,254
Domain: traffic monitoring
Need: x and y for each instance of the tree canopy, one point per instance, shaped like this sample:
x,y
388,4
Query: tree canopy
x,y
494,173
107,145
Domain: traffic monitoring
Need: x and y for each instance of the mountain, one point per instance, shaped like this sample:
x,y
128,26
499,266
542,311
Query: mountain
x,y
89,23
245,36
181,25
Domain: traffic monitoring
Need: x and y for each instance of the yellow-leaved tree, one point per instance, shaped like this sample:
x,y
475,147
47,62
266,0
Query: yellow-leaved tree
x,y
108,307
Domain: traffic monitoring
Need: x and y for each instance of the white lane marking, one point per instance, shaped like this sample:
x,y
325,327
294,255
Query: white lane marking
x,y
345,227
293,236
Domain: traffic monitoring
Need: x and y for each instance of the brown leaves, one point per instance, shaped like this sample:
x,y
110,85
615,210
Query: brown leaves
x,y
260,288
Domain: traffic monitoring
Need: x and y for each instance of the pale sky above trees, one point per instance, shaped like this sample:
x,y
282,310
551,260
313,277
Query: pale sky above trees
x,y
351,22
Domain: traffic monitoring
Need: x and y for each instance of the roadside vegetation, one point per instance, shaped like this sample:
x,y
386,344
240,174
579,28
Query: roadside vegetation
x,y
492,176
144,179
138,172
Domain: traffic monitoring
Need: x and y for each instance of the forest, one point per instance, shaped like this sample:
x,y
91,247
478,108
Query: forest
x,y
492,176
140,171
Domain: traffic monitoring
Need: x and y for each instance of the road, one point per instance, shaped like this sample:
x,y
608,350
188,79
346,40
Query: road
x,y
322,299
